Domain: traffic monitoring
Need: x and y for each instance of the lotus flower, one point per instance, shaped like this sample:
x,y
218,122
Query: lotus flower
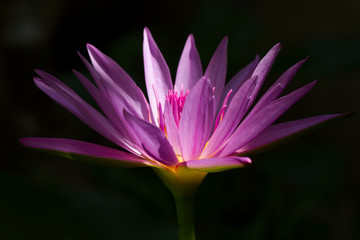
x,y
187,129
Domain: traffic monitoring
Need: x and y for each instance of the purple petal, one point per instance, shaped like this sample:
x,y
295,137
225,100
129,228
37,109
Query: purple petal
x,y
231,119
109,110
263,68
251,127
238,79
117,80
67,98
157,74
171,129
88,152
189,70
96,76
216,70
216,164
114,95
196,119
276,89
152,140
281,131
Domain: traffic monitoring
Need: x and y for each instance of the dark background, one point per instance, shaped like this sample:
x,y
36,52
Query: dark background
x,y
305,189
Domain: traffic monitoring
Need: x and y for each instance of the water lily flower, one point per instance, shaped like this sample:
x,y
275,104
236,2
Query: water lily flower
x,y
184,130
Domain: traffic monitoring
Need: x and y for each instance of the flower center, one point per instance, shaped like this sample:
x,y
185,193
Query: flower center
x,y
177,100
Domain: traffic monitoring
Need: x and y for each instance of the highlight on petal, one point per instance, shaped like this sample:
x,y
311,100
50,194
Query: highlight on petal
x,y
216,164
109,111
157,74
276,89
151,139
67,98
216,70
283,131
251,127
233,115
197,119
86,152
263,68
116,82
189,70
239,78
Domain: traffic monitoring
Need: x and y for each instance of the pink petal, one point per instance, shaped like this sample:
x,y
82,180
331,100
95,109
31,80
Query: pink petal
x,y
117,83
109,110
251,127
263,68
276,89
67,98
197,119
238,79
216,70
216,164
157,74
282,131
88,152
152,140
171,129
95,75
232,118
189,70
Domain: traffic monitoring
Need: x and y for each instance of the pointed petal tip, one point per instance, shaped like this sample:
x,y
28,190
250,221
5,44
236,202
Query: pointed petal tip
x,y
224,42
37,79
22,141
39,71
147,33
190,43
301,62
222,45
77,73
150,42
26,141
247,160
191,38
348,114
206,80
79,54
312,83
90,46
92,50
276,48
204,77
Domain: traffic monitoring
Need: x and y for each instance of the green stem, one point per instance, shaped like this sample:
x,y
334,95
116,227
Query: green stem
x,y
183,182
185,215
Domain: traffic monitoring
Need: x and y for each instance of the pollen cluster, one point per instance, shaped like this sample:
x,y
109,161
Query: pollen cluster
x,y
177,100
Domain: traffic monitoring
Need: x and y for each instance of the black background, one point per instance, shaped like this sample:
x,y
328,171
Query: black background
x,y
305,189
